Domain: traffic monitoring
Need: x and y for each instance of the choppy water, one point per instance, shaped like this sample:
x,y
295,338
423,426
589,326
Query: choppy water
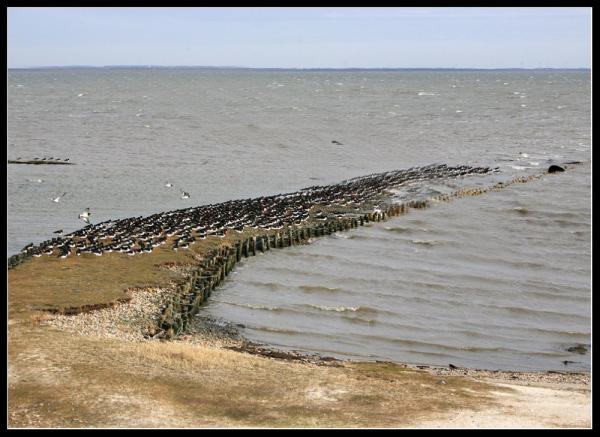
x,y
500,280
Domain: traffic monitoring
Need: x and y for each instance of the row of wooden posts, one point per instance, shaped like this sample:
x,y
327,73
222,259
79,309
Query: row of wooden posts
x,y
190,295
25,255
197,288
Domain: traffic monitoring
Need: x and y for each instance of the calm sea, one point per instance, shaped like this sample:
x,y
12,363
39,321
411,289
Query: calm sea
x,y
498,281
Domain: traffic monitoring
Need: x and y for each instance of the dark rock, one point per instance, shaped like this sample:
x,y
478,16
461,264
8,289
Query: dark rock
x,y
578,349
555,169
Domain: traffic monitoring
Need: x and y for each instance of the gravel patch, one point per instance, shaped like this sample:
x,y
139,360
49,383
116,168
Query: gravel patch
x,y
126,321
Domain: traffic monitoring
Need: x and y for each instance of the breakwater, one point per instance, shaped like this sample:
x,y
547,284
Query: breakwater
x,y
216,266
180,228
251,226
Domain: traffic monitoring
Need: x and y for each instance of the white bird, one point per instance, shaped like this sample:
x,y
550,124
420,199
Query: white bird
x,y
57,199
85,216
168,184
185,195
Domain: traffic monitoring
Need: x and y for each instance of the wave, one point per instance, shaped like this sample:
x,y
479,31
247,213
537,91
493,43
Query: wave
x,y
521,210
344,309
399,229
270,285
274,330
426,242
255,306
318,289
360,237
337,309
533,311
438,346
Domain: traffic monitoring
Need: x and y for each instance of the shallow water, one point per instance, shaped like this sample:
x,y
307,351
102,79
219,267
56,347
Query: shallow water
x,y
500,280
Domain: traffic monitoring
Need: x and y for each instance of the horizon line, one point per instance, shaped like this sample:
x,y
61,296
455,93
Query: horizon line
x,y
233,67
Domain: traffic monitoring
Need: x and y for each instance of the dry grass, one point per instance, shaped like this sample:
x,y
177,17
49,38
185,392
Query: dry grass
x,y
59,379
49,282
39,317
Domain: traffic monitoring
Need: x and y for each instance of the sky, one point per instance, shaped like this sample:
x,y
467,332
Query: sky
x,y
301,37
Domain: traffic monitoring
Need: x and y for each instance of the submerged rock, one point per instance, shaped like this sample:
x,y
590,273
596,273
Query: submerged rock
x,y
578,349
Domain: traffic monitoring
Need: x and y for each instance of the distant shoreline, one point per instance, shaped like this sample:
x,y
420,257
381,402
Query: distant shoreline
x,y
233,68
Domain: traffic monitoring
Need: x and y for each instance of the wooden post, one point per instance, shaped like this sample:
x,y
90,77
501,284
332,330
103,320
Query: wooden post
x,y
238,251
245,245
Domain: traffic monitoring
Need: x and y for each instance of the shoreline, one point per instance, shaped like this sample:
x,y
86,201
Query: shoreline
x,y
221,334
72,379
129,336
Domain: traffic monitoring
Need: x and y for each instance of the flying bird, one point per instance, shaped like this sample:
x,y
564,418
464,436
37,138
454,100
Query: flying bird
x,y
57,199
85,216
168,184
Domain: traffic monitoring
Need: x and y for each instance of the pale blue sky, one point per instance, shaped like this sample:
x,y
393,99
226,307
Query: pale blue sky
x,y
301,37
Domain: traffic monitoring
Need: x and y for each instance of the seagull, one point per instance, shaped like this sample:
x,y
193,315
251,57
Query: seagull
x,y
59,232
57,199
185,195
168,184
85,216
336,142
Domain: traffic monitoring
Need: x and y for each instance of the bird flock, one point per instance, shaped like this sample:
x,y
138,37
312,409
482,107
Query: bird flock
x,y
184,227
46,158
85,215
